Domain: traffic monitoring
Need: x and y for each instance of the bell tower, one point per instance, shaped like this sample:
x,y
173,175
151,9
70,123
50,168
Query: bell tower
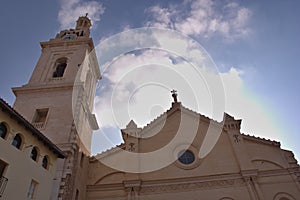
x,y
58,100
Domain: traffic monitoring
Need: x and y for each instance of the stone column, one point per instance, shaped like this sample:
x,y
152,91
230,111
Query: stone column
x,y
253,196
132,188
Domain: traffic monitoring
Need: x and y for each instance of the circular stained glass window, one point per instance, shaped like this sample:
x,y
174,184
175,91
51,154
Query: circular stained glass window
x,y
186,157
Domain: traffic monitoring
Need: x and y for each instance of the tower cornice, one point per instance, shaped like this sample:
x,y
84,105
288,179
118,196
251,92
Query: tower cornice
x,y
43,88
60,42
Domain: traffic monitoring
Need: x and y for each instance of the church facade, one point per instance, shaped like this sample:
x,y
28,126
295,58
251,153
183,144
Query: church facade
x,y
238,166
204,159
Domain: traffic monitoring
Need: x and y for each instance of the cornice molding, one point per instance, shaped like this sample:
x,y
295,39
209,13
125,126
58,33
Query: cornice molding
x,y
60,42
191,186
44,88
187,184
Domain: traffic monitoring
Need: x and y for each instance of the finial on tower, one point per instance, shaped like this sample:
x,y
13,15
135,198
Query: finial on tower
x,y
86,14
174,95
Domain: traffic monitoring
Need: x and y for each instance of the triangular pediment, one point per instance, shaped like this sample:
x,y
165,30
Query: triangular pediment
x,y
178,110
131,125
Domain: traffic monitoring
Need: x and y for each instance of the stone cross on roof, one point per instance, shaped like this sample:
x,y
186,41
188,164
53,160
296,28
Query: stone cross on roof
x,y
174,95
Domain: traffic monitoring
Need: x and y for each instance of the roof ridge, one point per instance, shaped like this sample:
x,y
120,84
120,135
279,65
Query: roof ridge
x,y
201,115
261,138
155,119
106,151
172,107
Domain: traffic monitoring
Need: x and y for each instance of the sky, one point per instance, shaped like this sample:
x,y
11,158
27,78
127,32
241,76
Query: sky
x,y
250,50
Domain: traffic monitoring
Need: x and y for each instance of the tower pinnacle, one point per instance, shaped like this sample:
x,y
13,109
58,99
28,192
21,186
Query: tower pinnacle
x,y
82,29
83,22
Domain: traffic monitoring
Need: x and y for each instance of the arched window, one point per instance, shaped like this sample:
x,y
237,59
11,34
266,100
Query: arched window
x,y
60,67
34,154
45,162
17,141
3,130
283,196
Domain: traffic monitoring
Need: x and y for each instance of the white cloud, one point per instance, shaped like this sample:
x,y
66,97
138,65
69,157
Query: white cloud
x,y
140,87
132,78
140,90
203,18
242,104
148,67
72,9
137,85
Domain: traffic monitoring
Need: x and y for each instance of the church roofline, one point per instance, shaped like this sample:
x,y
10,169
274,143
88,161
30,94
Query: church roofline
x,y
177,106
108,152
170,111
6,107
259,139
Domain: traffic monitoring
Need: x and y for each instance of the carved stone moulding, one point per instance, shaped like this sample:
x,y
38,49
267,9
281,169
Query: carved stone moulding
x,y
206,185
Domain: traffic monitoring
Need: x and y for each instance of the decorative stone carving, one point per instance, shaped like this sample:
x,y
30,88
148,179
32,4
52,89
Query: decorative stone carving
x,y
131,147
236,138
191,186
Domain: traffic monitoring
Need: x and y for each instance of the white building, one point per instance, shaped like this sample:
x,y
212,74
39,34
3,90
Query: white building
x,y
27,158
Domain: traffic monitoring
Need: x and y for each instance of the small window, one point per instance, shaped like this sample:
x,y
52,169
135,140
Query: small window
x,y
81,159
3,130
17,141
40,115
186,157
34,154
77,195
32,189
3,180
60,67
45,162
2,167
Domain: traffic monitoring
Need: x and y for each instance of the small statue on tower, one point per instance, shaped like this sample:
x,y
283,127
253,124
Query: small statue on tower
x,y
174,95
